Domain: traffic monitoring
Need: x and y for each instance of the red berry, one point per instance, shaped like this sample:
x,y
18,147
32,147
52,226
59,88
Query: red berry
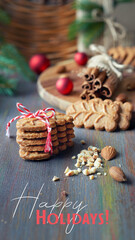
x,y
81,58
38,63
64,85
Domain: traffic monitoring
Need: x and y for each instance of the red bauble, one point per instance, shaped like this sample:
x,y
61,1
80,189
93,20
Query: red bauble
x,y
81,58
64,85
38,63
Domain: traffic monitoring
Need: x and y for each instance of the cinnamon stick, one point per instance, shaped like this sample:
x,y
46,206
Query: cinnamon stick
x,y
93,95
98,82
94,72
87,75
87,85
84,95
109,86
88,95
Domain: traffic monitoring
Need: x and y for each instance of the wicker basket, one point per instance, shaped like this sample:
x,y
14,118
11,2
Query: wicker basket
x,y
39,27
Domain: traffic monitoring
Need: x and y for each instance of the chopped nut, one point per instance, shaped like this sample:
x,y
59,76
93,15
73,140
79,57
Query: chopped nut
x,y
75,172
67,170
97,164
86,172
92,170
77,164
99,174
91,177
99,160
95,155
70,173
55,178
105,174
89,164
73,157
79,170
82,142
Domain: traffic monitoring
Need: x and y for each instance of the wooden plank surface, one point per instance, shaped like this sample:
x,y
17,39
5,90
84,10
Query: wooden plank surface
x,y
100,194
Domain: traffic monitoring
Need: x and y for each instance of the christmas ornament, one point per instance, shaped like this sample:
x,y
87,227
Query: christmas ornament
x,y
64,85
81,58
38,63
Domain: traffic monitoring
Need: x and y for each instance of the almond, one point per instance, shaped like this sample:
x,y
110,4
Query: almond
x,y
121,97
117,174
108,152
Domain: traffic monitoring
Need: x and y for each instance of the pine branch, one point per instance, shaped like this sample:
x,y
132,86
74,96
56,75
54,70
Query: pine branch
x,y
15,61
7,86
87,6
95,32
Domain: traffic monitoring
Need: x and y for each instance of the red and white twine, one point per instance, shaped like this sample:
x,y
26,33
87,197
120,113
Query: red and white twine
x,y
41,115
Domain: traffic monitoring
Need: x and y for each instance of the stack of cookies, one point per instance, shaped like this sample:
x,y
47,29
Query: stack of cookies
x,y
32,135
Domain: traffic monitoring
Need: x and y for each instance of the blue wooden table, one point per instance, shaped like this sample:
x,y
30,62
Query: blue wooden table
x,y
98,195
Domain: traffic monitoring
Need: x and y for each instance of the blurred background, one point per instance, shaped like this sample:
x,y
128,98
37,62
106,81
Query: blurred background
x,y
57,29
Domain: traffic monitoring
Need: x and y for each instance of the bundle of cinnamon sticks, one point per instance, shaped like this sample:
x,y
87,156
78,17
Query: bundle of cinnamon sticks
x,y
97,83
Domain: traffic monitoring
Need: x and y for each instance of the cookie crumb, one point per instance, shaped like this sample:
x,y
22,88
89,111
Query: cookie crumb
x,y
55,178
67,170
91,177
82,142
79,170
105,174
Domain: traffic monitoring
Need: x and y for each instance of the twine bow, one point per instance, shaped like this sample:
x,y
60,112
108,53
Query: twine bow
x,y
41,115
103,60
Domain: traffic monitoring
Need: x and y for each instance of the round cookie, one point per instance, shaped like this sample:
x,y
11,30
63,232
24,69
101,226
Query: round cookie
x,y
31,142
37,147
61,134
61,128
70,131
33,124
34,155
70,143
33,135
63,140
63,147
69,136
69,125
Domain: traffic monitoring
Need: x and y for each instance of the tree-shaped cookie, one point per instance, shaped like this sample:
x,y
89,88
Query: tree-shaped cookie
x,y
95,113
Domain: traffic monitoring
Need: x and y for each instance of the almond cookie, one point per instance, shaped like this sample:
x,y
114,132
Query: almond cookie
x,y
61,134
69,125
70,143
33,124
95,113
31,142
124,55
125,114
61,128
69,136
37,147
70,131
63,147
33,135
63,140
34,155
